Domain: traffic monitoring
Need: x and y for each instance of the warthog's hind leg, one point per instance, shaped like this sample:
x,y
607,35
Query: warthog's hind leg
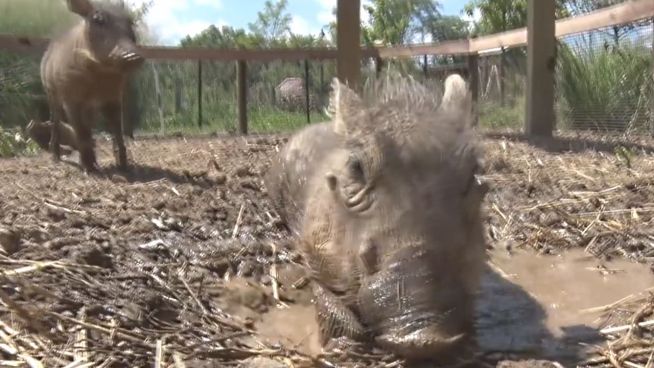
x,y
55,147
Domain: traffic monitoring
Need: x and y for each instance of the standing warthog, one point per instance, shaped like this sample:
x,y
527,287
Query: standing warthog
x,y
86,69
385,204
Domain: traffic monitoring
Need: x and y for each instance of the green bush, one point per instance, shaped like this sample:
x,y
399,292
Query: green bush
x,y
13,143
605,88
494,116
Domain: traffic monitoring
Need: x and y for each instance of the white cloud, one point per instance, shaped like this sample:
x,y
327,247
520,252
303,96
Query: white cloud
x,y
476,15
326,16
300,26
216,4
164,20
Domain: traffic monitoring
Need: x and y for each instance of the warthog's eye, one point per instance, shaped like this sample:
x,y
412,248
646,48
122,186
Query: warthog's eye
x,y
355,168
98,18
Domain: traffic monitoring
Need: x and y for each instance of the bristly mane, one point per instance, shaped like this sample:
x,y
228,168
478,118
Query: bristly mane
x,y
116,8
409,113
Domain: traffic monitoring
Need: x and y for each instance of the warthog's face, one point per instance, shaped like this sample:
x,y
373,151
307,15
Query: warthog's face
x,y
110,35
409,202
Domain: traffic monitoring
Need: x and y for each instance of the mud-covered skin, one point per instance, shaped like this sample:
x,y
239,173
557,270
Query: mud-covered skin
x,y
41,133
385,206
85,70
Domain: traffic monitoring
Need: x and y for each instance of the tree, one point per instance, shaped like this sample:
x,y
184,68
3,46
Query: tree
x,y
273,22
504,15
578,7
395,22
447,27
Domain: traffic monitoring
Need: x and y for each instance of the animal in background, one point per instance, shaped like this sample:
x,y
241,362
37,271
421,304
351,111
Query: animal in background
x,y
85,70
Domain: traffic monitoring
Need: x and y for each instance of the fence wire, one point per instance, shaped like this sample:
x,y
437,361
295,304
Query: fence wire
x,y
604,82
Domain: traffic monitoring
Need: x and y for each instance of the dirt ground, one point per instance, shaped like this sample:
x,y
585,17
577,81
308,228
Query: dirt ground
x,y
182,262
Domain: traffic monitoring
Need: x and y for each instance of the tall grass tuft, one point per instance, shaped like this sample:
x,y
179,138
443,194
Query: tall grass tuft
x,y
34,17
606,88
21,93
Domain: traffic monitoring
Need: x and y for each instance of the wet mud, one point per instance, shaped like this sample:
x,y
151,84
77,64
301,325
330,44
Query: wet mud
x,y
185,251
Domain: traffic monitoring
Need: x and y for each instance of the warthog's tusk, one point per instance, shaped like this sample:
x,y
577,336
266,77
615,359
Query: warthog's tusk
x,y
87,55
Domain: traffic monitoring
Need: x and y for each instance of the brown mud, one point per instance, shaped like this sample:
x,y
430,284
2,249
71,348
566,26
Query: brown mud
x,y
183,259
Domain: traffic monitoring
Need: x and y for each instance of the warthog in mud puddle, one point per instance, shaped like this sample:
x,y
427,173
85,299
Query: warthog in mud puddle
x,y
86,69
386,207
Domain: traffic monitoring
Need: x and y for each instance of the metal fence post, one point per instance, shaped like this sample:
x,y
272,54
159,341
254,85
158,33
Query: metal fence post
x,y
242,80
199,93
307,102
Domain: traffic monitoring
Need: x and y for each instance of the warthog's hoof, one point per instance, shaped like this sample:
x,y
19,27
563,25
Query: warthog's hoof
x,y
124,169
90,168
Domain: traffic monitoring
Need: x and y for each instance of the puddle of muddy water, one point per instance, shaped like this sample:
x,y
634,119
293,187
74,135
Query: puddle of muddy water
x,y
534,304
294,327
528,304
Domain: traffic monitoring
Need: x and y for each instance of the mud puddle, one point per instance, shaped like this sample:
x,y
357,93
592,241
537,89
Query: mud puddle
x,y
529,305
539,304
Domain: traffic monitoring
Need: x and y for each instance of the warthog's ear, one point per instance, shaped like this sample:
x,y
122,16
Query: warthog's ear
x,y
343,105
81,7
456,97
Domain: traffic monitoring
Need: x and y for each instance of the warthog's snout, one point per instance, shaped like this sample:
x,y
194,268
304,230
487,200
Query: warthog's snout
x,y
424,343
127,56
412,304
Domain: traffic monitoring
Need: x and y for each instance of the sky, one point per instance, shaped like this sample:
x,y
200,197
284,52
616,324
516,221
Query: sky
x,y
172,20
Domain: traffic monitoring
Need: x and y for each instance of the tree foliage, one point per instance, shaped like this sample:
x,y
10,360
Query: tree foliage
x,y
503,15
273,22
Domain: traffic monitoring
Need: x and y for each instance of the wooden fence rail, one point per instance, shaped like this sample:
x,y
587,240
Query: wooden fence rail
x,y
627,12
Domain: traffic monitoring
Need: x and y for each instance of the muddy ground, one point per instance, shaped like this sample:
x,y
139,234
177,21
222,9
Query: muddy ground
x,y
182,263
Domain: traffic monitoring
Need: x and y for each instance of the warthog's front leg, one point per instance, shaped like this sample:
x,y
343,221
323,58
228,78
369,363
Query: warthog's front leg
x,y
335,319
113,113
80,118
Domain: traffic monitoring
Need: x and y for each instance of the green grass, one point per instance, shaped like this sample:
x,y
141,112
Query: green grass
x,y
494,116
34,17
20,85
260,120
605,88
13,143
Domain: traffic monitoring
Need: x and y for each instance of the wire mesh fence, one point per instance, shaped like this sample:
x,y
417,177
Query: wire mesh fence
x,y
202,96
604,82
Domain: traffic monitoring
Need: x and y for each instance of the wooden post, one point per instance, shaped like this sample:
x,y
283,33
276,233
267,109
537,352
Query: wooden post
x,y
541,60
473,82
348,41
307,102
199,93
242,88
